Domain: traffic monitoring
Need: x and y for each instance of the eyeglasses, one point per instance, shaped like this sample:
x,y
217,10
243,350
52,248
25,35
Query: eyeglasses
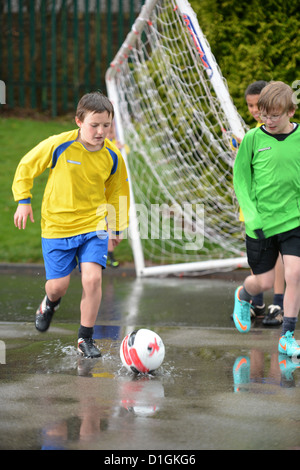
x,y
273,117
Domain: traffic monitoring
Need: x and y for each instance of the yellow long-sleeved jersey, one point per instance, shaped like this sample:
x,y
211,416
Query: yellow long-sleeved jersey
x,y
84,189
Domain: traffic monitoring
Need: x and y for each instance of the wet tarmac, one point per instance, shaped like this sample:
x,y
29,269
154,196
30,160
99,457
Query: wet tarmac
x,y
217,389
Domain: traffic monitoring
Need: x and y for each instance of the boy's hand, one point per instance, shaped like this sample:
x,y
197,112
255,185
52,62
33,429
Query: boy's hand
x,y
116,239
21,215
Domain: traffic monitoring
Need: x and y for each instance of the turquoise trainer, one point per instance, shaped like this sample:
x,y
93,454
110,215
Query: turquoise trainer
x,y
287,366
241,373
288,345
241,313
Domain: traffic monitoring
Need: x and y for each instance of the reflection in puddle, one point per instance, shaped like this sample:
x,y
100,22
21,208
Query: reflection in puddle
x,y
281,373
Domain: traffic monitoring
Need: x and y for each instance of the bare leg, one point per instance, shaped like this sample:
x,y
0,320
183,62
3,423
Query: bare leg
x,y
57,288
287,343
91,278
279,283
292,291
257,283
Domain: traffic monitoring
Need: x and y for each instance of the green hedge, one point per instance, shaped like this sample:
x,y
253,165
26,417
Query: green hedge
x,y
252,40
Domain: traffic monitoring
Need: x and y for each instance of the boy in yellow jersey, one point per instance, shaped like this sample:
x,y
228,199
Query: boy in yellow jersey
x,y
252,96
87,186
274,315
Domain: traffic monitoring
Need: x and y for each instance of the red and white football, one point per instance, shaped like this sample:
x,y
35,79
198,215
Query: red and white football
x,y
142,351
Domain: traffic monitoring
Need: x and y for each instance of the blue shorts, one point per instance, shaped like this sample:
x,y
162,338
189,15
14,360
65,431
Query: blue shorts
x,y
61,255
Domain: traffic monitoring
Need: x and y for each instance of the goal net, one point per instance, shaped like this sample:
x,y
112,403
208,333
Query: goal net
x,y
177,125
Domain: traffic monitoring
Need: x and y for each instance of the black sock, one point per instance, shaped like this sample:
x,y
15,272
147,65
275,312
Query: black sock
x,y
52,304
258,299
278,300
85,332
289,324
244,295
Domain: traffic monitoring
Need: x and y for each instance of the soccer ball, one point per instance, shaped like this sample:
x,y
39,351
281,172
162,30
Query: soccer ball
x,y
142,351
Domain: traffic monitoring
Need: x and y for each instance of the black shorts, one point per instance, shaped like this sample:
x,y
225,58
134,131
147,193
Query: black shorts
x,y
262,254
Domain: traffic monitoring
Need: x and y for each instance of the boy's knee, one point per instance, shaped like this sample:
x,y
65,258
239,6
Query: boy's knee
x,y
92,279
57,288
292,276
267,284
265,281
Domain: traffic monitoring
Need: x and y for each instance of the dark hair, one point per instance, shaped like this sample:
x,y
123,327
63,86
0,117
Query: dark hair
x,y
255,88
94,102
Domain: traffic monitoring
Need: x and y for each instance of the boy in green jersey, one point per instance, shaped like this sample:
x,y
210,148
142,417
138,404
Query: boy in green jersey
x,y
267,186
274,316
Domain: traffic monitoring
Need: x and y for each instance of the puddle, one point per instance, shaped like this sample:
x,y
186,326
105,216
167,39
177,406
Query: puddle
x,y
216,389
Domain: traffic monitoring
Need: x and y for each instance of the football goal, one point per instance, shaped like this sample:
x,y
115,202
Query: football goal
x,y
178,126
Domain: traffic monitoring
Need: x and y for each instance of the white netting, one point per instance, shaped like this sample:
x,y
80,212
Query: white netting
x,y
180,156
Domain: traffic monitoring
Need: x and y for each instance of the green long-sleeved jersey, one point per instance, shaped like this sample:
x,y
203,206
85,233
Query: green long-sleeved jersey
x,y
266,178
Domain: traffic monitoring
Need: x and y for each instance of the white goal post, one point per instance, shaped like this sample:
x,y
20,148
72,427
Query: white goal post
x,y
177,126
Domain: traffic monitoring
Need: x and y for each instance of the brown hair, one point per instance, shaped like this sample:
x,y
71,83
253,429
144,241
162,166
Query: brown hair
x,y
276,96
94,102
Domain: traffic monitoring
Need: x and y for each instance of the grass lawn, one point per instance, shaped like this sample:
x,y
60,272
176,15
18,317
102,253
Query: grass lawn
x,y
17,137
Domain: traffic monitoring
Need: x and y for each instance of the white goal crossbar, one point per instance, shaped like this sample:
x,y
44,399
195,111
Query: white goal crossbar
x,y
166,63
